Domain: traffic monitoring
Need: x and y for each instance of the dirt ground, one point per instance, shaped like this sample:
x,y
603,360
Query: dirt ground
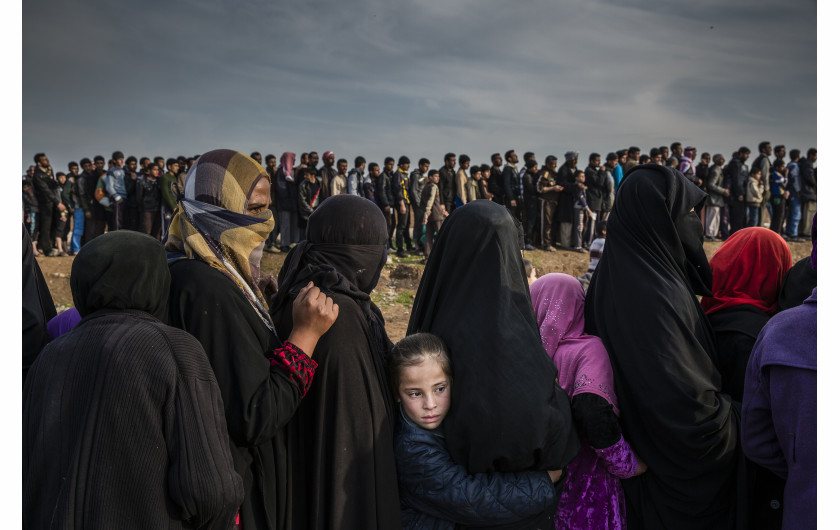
x,y
394,294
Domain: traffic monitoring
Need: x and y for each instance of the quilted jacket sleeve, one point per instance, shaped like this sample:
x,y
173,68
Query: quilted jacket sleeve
x,y
432,483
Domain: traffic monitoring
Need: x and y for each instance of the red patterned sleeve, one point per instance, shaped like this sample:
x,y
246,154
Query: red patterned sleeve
x,y
300,367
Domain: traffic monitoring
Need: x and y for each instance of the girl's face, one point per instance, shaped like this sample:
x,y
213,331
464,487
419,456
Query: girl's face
x,y
424,393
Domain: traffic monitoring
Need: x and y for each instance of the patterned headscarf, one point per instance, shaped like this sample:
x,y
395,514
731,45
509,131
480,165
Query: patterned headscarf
x,y
287,165
210,223
583,365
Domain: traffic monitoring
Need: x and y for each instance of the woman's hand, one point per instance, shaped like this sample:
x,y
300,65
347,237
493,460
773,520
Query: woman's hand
x,y
642,467
555,475
313,313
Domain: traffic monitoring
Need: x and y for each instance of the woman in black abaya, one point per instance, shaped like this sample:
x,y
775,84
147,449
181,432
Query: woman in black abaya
x,y
642,304
342,471
508,413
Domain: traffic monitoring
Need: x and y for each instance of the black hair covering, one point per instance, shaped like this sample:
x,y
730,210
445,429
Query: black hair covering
x,y
508,413
641,302
344,251
121,270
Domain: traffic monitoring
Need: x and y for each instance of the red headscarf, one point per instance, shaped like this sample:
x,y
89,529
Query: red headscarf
x,y
748,269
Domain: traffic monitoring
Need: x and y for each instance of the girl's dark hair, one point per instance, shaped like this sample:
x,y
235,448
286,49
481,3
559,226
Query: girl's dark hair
x,y
413,350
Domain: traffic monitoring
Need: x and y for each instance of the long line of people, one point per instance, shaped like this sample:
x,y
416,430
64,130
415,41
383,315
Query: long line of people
x,y
558,206
301,413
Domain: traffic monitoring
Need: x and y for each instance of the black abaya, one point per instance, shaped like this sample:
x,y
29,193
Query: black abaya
x,y
508,413
341,469
641,302
122,416
38,307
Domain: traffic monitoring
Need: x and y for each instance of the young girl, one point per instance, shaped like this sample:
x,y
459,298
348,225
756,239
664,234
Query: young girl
x,y
592,496
435,492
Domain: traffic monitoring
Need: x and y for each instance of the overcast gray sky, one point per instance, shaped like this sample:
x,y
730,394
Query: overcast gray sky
x,y
384,77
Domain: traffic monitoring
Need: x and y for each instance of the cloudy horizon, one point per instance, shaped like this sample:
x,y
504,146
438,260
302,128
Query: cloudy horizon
x,y
381,78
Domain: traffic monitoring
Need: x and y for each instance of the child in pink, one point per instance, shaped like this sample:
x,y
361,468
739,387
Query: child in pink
x,y
592,496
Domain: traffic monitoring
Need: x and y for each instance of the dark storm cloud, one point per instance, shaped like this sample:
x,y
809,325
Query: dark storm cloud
x,y
380,77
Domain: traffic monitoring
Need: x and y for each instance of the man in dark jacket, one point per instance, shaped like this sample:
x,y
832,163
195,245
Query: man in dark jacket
x,y
416,183
530,202
596,191
717,197
326,174
808,192
447,182
738,173
385,196
763,163
45,191
399,185
566,201
512,184
494,183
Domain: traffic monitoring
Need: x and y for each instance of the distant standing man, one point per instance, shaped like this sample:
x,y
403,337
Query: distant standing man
x,y
565,215
45,192
326,174
400,186
461,179
494,183
549,191
717,197
808,193
512,184
762,162
446,184
794,209
739,172
115,187
416,183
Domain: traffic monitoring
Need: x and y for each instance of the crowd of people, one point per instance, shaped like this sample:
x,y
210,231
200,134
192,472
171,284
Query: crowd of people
x,y
559,205
186,389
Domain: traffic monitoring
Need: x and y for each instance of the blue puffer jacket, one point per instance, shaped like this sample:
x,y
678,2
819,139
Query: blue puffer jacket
x,y
436,493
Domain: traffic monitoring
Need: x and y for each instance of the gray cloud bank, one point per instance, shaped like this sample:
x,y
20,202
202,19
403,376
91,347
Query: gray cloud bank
x,y
381,78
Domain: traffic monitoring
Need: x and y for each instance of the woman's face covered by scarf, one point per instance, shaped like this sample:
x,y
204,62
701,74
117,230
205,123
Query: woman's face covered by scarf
x,y
223,218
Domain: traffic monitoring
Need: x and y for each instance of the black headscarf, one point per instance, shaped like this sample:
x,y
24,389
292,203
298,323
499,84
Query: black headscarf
x,y
344,252
641,302
508,413
121,270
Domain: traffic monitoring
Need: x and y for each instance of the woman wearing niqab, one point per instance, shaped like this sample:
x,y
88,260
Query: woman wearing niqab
x,y
214,249
642,304
507,411
122,416
342,470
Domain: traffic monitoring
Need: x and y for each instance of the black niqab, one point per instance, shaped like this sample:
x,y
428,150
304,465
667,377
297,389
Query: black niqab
x,y
38,306
342,470
641,302
507,413
120,270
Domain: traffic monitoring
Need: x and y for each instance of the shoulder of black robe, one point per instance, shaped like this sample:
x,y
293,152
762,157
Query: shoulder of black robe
x,y
38,306
641,302
508,413
797,284
342,470
736,330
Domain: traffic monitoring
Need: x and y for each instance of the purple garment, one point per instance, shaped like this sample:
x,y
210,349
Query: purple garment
x,y
592,495
63,322
779,412
814,243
